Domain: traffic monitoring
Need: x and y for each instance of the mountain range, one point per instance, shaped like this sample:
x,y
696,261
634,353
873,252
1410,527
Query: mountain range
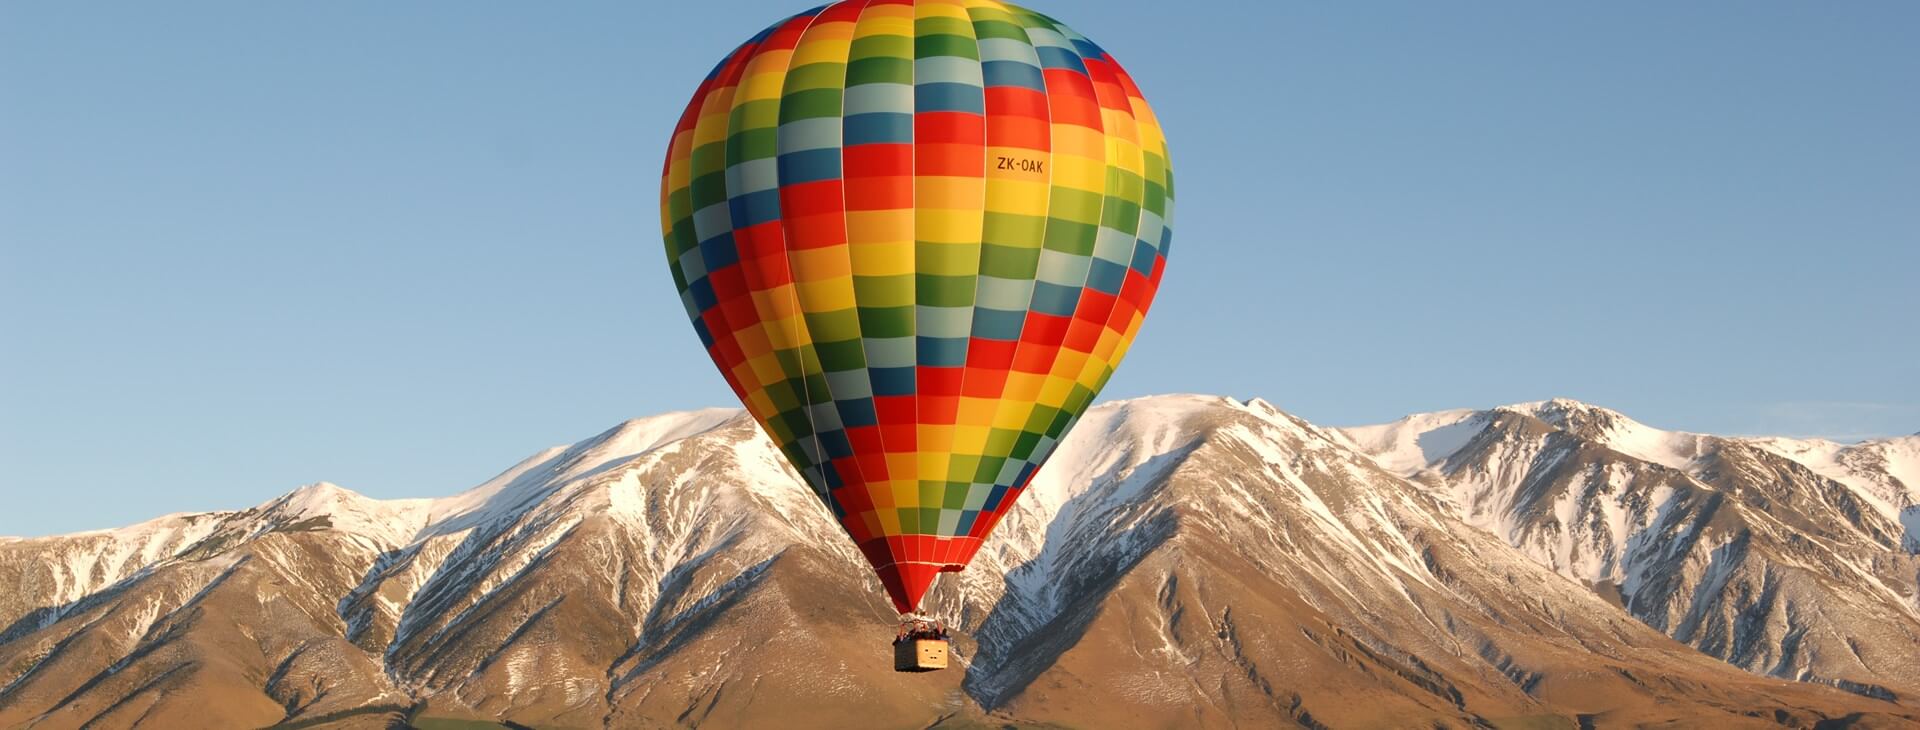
x,y
1181,561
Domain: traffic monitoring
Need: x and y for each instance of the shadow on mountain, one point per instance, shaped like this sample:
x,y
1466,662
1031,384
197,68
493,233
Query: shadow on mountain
x,y
149,643
45,616
666,635
472,621
1012,652
207,547
994,679
516,496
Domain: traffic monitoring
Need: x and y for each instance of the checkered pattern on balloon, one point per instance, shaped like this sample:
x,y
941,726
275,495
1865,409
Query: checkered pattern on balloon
x,y
917,238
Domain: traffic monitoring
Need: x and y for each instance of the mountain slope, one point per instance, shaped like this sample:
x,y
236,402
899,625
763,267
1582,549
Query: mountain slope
x,y
1184,561
1783,557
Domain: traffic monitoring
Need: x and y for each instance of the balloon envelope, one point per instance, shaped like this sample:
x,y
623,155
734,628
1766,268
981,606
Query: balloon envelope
x,y
916,238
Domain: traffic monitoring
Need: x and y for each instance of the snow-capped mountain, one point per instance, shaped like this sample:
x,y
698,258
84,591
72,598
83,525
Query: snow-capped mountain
x,y
1783,556
1182,561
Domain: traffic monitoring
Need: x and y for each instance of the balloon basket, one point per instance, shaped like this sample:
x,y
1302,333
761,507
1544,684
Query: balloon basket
x,y
920,645
920,655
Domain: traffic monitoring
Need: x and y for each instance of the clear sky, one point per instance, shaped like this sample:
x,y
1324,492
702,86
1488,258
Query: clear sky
x,y
399,246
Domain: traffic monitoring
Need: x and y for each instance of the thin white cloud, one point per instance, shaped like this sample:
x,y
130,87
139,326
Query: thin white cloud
x,y
1835,420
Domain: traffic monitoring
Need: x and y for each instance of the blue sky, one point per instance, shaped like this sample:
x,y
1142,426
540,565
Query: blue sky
x,y
398,246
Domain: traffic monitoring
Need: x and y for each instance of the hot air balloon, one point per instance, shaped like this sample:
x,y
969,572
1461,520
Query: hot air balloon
x,y
917,236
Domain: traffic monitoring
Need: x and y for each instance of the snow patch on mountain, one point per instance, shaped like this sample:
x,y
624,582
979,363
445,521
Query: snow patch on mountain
x,y
1092,492
68,568
384,523
1884,472
638,437
1728,544
1672,449
1417,442
536,476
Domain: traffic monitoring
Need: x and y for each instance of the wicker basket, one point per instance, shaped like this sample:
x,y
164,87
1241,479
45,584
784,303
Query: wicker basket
x,y
920,655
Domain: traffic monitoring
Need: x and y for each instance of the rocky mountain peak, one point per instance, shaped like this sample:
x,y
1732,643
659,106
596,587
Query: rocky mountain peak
x,y
1724,543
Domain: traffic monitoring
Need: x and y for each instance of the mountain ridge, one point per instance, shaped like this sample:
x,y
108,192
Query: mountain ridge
x,y
1725,543
1184,561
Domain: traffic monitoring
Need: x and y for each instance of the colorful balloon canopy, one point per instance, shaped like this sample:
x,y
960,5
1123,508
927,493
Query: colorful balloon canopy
x,y
917,237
